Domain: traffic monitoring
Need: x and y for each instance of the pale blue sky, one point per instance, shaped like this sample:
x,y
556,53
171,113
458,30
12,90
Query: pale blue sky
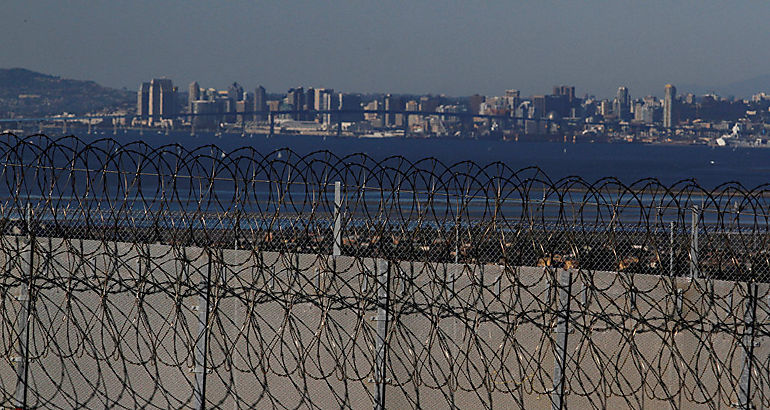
x,y
451,47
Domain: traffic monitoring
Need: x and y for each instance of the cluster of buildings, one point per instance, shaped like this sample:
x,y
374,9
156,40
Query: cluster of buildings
x,y
156,101
559,115
563,104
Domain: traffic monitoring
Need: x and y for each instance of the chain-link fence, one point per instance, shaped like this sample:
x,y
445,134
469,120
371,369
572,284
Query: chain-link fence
x,y
139,276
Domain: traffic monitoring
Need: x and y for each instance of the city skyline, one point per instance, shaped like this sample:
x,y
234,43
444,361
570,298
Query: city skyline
x,y
396,47
561,115
682,89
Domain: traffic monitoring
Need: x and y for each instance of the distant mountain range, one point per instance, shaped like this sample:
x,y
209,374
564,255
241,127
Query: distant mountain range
x,y
25,93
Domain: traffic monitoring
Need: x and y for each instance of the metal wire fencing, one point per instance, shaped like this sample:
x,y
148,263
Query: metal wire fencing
x,y
140,276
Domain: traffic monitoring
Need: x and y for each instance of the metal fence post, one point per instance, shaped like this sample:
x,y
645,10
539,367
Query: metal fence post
x,y
201,341
747,346
337,219
25,300
694,242
671,250
564,284
458,220
380,364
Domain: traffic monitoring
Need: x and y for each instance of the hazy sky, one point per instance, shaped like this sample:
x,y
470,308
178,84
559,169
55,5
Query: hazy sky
x,y
457,48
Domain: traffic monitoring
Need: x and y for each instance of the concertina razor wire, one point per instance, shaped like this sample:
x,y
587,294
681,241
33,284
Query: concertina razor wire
x,y
163,276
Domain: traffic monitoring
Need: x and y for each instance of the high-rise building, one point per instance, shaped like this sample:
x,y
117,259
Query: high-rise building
x,y
309,104
374,117
295,98
260,103
235,92
622,104
243,106
324,101
560,102
413,106
143,100
162,99
565,90
193,94
429,103
328,103
650,113
669,109
350,102
605,108
319,98
207,111
393,103
539,105
512,98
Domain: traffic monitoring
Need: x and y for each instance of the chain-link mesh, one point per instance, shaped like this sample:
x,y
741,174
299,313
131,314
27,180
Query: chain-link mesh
x,y
139,276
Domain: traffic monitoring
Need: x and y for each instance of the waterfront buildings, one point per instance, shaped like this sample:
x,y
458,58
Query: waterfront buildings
x,y
559,115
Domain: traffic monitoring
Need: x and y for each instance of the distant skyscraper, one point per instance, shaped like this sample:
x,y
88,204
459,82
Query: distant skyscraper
x,y
235,93
373,117
393,103
539,105
511,99
317,98
350,102
565,90
193,94
329,104
241,107
324,98
162,101
295,98
414,106
605,108
244,106
649,112
669,111
143,100
260,103
622,104
309,104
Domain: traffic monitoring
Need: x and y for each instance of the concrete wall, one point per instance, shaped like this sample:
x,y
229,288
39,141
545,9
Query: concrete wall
x,y
117,324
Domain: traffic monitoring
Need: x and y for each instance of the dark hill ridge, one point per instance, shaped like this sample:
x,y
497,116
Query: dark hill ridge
x,y
25,93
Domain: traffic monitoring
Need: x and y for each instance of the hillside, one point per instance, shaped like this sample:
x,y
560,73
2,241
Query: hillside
x,y
25,93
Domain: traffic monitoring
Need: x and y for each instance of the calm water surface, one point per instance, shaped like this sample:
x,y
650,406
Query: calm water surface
x,y
709,166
